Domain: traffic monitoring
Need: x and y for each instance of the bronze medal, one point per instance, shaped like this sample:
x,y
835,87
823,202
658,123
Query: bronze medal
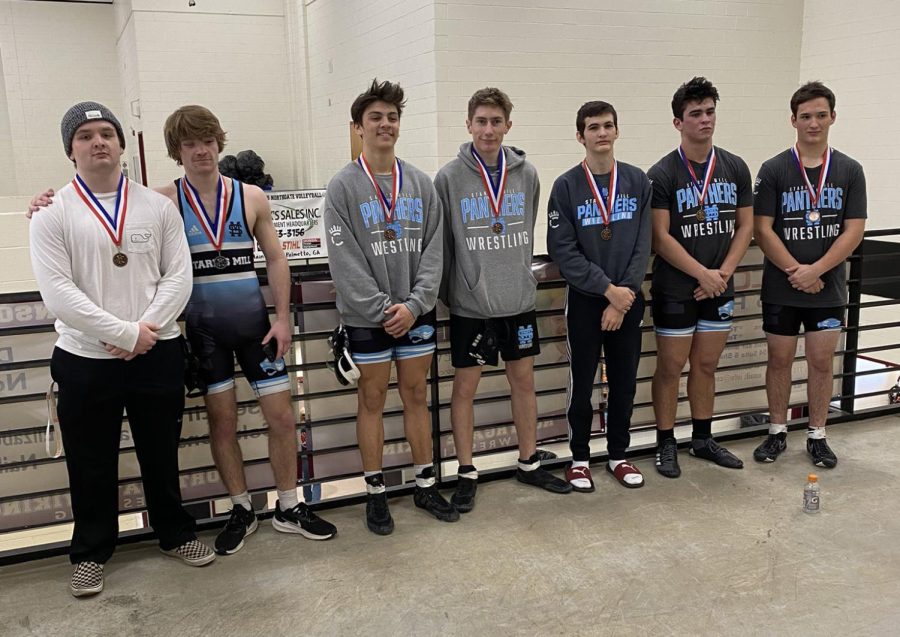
x,y
120,260
497,228
390,234
701,214
606,233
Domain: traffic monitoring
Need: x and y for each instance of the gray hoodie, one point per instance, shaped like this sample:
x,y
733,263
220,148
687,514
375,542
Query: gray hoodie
x,y
488,275
370,271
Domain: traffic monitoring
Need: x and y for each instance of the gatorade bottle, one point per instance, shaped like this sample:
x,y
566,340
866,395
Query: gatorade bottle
x,y
811,495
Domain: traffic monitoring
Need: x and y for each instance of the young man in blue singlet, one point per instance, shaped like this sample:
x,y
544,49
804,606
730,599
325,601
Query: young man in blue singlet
x,y
226,317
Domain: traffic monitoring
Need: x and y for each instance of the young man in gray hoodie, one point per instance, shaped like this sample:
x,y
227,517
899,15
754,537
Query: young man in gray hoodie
x,y
599,227
384,222
490,196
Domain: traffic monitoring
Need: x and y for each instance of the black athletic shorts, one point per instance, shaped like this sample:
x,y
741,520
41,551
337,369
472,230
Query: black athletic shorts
x,y
785,320
683,317
373,345
517,338
216,345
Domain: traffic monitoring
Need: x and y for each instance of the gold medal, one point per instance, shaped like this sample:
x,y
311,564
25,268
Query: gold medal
x,y
120,260
390,234
606,233
497,228
701,215
813,216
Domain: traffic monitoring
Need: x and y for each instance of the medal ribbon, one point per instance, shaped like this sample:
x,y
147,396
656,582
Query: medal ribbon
x,y
605,208
388,205
214,228
494,191
700,188
114,225
826,164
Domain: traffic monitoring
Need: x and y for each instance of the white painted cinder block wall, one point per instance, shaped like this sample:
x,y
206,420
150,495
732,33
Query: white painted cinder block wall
x,y
53,54
229,56
350,43
855,52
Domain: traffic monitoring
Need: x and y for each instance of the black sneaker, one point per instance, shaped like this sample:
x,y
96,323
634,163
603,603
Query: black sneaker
x,y
667,458
378,515
464,496
301,519
241,524
771,448
709,449
544,479
87,579
430,499
821,453
544,454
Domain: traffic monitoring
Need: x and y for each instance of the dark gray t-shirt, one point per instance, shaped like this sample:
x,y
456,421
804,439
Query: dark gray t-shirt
x,y
780,192
709,239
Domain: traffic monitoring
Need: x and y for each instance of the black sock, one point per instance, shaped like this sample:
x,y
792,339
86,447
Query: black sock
x,y
466,468
702,428
664,434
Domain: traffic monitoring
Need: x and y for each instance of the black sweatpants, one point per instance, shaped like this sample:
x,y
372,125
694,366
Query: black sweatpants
x,y
621,350
92,394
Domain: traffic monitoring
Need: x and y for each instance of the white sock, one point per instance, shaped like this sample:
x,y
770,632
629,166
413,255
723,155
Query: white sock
x,y
471,475
815,433
631,478
371,488
581,483
777,429
243,499
288,498
419,469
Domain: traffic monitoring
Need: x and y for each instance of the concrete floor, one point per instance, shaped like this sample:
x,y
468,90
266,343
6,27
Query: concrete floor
x,y
716,552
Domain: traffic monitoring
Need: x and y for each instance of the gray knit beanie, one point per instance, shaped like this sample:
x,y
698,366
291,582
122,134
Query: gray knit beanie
x,y
83,113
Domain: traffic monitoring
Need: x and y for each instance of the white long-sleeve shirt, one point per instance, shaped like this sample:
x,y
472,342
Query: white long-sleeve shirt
x,y
94,301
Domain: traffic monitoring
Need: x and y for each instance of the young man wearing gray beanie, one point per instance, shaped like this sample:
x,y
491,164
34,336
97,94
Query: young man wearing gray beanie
x,y
112,264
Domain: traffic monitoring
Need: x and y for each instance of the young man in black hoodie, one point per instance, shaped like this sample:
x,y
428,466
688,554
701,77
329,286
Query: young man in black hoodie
x,y
489,195
599,234
702,224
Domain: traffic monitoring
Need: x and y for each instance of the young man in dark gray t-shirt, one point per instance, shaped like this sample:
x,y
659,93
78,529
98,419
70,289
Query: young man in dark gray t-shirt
x,y
702,223
810,215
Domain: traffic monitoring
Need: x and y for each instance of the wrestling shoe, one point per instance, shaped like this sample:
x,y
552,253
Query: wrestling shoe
x,y
821,453
772,447
464,496
709,449
378,515
667,458
430,499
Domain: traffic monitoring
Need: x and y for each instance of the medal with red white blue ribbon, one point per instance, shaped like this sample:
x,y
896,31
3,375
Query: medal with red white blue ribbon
x,y
114,224
494,190
392,229
813,216
607,206
215,227
700,187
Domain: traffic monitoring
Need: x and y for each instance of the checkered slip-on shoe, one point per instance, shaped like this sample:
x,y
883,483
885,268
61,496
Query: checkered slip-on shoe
x,y
193,553
87,579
